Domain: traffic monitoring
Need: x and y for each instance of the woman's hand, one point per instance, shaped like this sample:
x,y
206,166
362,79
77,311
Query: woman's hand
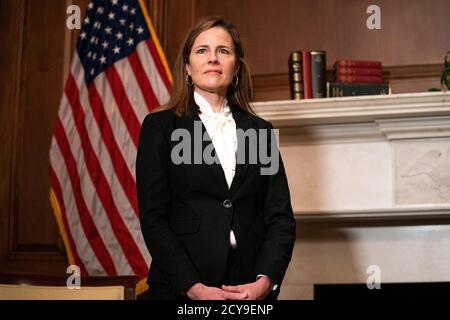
x,y
201,292
257,290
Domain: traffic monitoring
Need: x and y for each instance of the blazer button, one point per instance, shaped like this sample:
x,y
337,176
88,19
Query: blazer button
x,y
227,204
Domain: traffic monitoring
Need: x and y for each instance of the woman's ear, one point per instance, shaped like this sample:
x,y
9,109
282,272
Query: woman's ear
x,y
187,69
237,70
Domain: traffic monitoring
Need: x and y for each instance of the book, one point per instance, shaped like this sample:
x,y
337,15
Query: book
x,y
295,75
357,63
358,78
358,71
318,74
306,59
338,89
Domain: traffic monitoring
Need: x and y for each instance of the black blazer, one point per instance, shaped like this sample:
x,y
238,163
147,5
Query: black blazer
x,y
187,210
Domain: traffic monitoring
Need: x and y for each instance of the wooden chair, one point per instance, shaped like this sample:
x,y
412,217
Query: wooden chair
x,y
38,287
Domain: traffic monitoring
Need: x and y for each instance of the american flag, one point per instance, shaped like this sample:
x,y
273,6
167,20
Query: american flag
x,y
118,75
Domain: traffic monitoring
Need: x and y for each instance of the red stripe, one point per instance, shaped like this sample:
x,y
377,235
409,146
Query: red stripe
x,y
144,83
58,193
89,227
126,110
158,63
126,241
121,168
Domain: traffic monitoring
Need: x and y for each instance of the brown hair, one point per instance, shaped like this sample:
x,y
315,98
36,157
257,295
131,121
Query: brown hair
x,y
182,95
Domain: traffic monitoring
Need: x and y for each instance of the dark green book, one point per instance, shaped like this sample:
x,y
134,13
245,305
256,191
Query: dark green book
x,y
339,89
295,75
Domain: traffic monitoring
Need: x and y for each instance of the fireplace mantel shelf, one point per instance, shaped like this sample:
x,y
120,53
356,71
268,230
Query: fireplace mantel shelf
x,y
295,113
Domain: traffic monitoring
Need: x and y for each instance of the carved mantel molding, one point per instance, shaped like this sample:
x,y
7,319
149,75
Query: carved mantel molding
x,y
400,145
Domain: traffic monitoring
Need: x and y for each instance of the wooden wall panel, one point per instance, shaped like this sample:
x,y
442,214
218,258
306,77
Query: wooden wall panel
x,y
413,34
412,31
10,27
180,17
34,87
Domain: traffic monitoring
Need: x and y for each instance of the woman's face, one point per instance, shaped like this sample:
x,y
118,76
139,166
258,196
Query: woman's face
x,y
212,61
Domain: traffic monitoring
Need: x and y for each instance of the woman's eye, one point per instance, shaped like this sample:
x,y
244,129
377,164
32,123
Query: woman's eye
x,y
201,50
225,51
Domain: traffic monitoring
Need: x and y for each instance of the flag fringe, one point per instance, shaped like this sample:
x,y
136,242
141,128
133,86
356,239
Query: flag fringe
x,y
141,286
57,212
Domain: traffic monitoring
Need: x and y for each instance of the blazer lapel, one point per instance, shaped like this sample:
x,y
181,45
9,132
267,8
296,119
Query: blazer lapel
x,y
205,173
243,121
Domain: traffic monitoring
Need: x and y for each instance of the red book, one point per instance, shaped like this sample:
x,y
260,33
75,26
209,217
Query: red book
x,y
358,63
359,79
359,71
306,59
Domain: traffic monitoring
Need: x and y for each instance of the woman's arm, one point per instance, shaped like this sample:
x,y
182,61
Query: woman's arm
x,y
152,180
276,251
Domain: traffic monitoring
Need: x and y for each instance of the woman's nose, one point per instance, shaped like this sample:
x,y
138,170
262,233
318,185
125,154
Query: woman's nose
x,y
213,58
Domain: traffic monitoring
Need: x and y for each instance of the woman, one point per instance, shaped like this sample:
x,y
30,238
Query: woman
x,y
216,225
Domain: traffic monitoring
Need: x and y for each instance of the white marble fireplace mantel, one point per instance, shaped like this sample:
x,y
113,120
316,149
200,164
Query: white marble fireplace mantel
x,y
366,157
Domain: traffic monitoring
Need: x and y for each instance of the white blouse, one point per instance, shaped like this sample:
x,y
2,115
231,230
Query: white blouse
x,y
222,131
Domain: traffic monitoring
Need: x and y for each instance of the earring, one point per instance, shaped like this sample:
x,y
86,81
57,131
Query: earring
x,y
189,83
235,84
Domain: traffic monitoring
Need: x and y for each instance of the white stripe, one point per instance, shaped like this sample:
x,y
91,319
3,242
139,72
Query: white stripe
x,y
132,88
129,216
83,247
91,198
156,82
118,126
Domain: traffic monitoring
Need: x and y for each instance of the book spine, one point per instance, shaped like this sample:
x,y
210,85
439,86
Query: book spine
x,y
337,89
359,71
359,79
318,74
295,75
358,63
306,59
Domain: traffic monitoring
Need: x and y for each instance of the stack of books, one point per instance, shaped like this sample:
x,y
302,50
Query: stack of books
x,y
356,78
307,74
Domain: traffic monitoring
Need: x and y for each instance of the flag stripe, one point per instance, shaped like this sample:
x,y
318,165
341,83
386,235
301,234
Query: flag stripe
x,y
96,210
135,94
124,158
158,64
149,67
123,103
59,195
74,219
143,82
94,169
121,168
88,225
115,126
74,223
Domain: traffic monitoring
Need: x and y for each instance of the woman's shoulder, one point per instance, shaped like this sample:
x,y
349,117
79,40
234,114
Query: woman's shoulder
x,y
159,117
